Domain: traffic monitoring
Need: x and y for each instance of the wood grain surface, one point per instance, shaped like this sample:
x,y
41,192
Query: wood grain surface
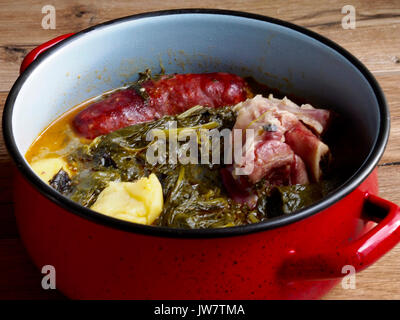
x,y
375,41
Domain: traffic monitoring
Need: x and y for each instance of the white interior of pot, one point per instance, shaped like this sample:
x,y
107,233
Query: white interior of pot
x,y
112,55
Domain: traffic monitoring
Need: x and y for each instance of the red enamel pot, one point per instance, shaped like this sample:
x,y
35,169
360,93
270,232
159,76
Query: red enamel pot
x,y
297,256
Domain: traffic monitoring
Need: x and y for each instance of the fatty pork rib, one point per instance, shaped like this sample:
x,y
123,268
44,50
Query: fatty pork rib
x,y
283,150
316,119
309,148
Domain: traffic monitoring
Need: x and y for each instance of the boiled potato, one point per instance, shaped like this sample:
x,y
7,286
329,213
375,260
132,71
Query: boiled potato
x,y
46,169
140,201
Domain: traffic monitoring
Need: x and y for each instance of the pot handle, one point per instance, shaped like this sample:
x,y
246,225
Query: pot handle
x,y
32,55
359,254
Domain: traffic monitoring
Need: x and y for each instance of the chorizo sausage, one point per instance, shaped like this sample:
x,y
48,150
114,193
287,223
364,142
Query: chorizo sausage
x,y
154,98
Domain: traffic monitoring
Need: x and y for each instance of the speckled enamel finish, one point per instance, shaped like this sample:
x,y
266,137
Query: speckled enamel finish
x,y
96,262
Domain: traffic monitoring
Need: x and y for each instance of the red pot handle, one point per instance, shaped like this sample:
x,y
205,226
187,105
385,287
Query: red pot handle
x,y
32,55
360,254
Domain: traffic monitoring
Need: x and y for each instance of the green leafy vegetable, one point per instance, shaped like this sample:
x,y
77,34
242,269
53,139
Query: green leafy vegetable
x,y
194,196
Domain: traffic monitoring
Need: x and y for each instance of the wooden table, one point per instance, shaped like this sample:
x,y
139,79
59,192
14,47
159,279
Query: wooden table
x,y
375,41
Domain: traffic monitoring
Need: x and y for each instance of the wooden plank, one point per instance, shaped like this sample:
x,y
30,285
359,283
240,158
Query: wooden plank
x,y
374,42
390,87
389,188
380,55
5,160
19,278
8,227
75,16
11,57
382,279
